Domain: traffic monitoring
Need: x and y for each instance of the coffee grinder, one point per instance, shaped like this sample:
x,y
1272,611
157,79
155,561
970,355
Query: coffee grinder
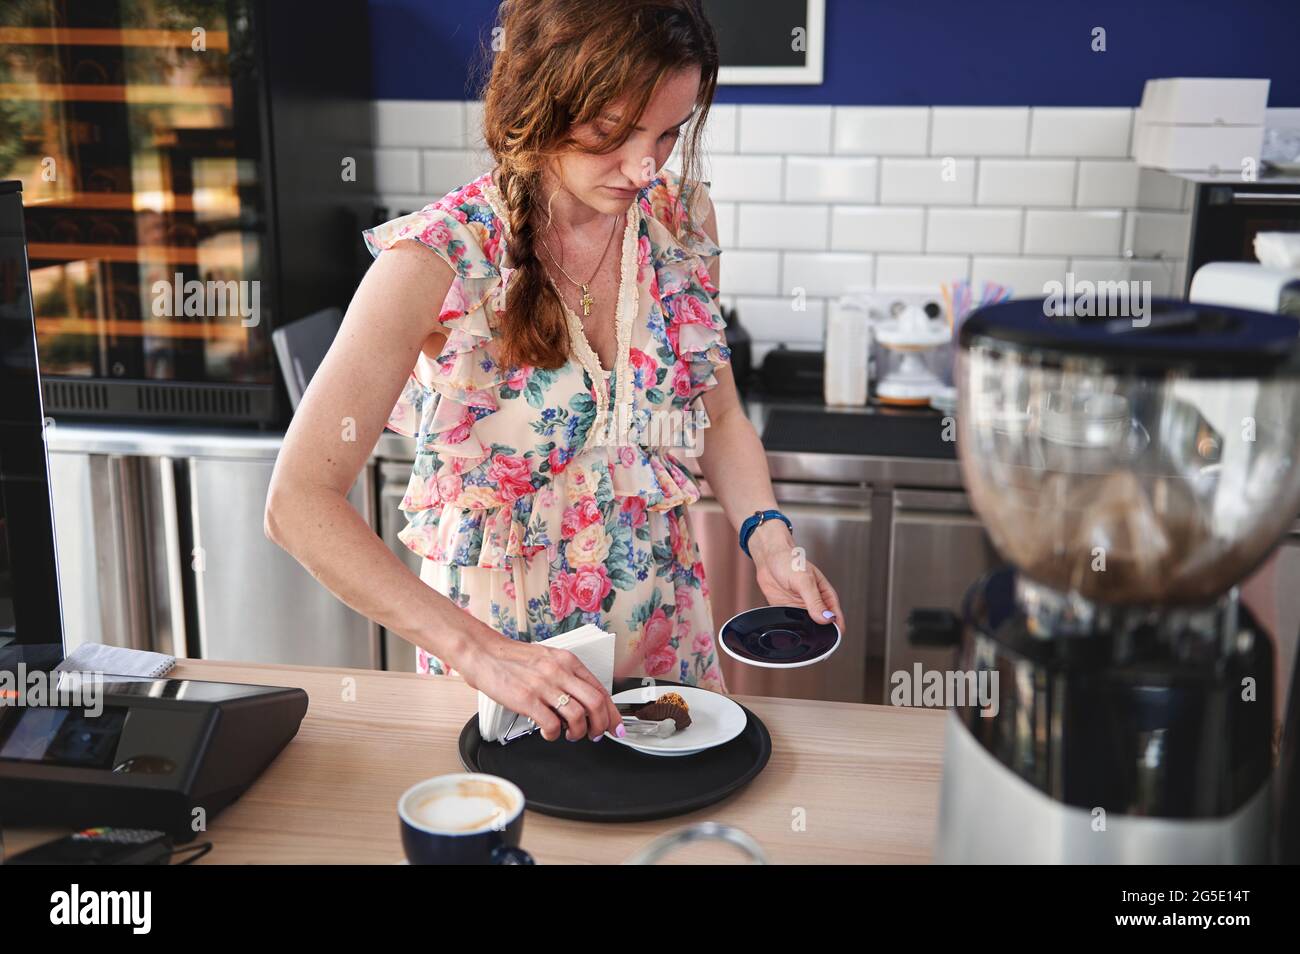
x,y
1132,471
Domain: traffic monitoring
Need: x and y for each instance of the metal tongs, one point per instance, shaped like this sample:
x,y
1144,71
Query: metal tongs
x,y
660,729
511,733
648,727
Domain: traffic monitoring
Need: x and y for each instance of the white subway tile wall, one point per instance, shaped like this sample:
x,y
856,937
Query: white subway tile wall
x,y
1107,183
919,272
1018,272
745,178
1073,231
973,230
814,199
974,131
398,170
431,125
877,228
881,130
945,181
1159,191
1157,234
1082,132
824,274
1026,182
772,129
848,181
777,226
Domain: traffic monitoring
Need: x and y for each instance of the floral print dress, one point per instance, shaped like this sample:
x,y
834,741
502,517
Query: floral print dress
x,y
542,500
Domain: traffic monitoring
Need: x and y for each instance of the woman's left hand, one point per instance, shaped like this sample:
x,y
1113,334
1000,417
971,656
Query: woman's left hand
x,y
787,578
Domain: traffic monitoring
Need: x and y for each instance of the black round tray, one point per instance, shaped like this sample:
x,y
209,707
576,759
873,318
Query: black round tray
x,y
608,782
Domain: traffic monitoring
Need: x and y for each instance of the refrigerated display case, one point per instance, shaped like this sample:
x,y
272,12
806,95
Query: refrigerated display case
x,y
196,172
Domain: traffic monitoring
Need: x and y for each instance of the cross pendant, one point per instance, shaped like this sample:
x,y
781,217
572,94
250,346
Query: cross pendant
x,y
587,302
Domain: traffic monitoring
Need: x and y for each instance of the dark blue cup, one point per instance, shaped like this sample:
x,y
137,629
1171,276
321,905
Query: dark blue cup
x,y
469,818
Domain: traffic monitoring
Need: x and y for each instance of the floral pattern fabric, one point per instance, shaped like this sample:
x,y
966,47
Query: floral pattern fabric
x,y
545,499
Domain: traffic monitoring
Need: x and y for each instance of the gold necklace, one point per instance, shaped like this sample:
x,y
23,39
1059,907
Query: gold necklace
x,y
588,302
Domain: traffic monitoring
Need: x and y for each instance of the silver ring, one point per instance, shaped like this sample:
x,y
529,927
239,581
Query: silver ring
x,y
563,700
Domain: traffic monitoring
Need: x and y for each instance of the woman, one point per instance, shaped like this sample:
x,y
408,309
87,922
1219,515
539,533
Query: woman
x,y
560,313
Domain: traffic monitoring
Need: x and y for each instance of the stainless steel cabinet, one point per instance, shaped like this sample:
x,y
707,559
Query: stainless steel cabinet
x,y
833,525
100,547
252,600
160,546
399,655
938,548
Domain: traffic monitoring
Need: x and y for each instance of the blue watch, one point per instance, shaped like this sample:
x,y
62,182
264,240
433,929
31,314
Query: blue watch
x,y
754,521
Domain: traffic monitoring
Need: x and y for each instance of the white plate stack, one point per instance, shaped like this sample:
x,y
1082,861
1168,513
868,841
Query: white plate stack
x,y
1201,125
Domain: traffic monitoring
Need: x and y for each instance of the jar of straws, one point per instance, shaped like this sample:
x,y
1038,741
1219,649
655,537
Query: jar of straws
x,y
959,299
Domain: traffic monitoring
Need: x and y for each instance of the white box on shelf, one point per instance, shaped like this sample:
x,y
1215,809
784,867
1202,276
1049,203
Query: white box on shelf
x,y
1183,148
1204,100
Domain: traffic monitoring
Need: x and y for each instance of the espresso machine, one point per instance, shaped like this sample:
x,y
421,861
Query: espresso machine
x,y
1132,471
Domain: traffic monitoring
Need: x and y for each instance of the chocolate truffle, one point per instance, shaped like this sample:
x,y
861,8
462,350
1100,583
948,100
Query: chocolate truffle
x,y
668,706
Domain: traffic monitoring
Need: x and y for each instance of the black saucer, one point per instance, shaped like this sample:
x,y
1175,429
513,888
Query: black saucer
x,y
778,637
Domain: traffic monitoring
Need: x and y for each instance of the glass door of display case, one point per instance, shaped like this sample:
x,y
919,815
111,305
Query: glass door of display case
x,y
135,128
31,627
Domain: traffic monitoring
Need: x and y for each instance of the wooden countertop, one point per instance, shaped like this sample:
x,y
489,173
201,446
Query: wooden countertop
x,y
865,777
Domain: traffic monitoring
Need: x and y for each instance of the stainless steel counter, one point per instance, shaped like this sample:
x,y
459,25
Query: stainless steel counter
x,y
874,465
157,441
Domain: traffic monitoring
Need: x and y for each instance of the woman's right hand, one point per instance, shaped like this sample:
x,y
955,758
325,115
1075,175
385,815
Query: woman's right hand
x,y
529,678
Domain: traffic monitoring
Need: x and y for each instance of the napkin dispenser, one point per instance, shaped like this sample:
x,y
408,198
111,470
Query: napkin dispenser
x,y
594,648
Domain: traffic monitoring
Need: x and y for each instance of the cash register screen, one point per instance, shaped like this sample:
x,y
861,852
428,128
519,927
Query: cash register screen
x,y
66,736
146,719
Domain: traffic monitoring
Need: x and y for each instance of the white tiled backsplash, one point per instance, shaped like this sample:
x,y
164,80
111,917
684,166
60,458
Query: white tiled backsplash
x,y
819,198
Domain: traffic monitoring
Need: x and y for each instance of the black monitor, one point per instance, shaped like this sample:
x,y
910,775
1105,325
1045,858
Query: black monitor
x,y
31,621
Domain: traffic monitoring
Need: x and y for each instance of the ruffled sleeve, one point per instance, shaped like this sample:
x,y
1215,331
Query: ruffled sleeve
x,y
681,251
457,227
445,396
462,231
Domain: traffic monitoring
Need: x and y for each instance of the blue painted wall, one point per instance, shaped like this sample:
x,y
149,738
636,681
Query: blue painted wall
x,y
929,52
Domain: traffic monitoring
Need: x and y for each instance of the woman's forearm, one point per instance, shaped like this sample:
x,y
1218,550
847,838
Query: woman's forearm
x,y
326,535
734,463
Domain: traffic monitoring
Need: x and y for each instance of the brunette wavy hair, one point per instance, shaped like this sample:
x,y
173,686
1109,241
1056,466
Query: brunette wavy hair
x,y
563,63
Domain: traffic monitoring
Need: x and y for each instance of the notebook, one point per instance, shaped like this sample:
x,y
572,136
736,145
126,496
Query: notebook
x,y
117,661
589,643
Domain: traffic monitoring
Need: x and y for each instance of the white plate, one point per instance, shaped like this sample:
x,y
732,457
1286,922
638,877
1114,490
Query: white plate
x,y
715,720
